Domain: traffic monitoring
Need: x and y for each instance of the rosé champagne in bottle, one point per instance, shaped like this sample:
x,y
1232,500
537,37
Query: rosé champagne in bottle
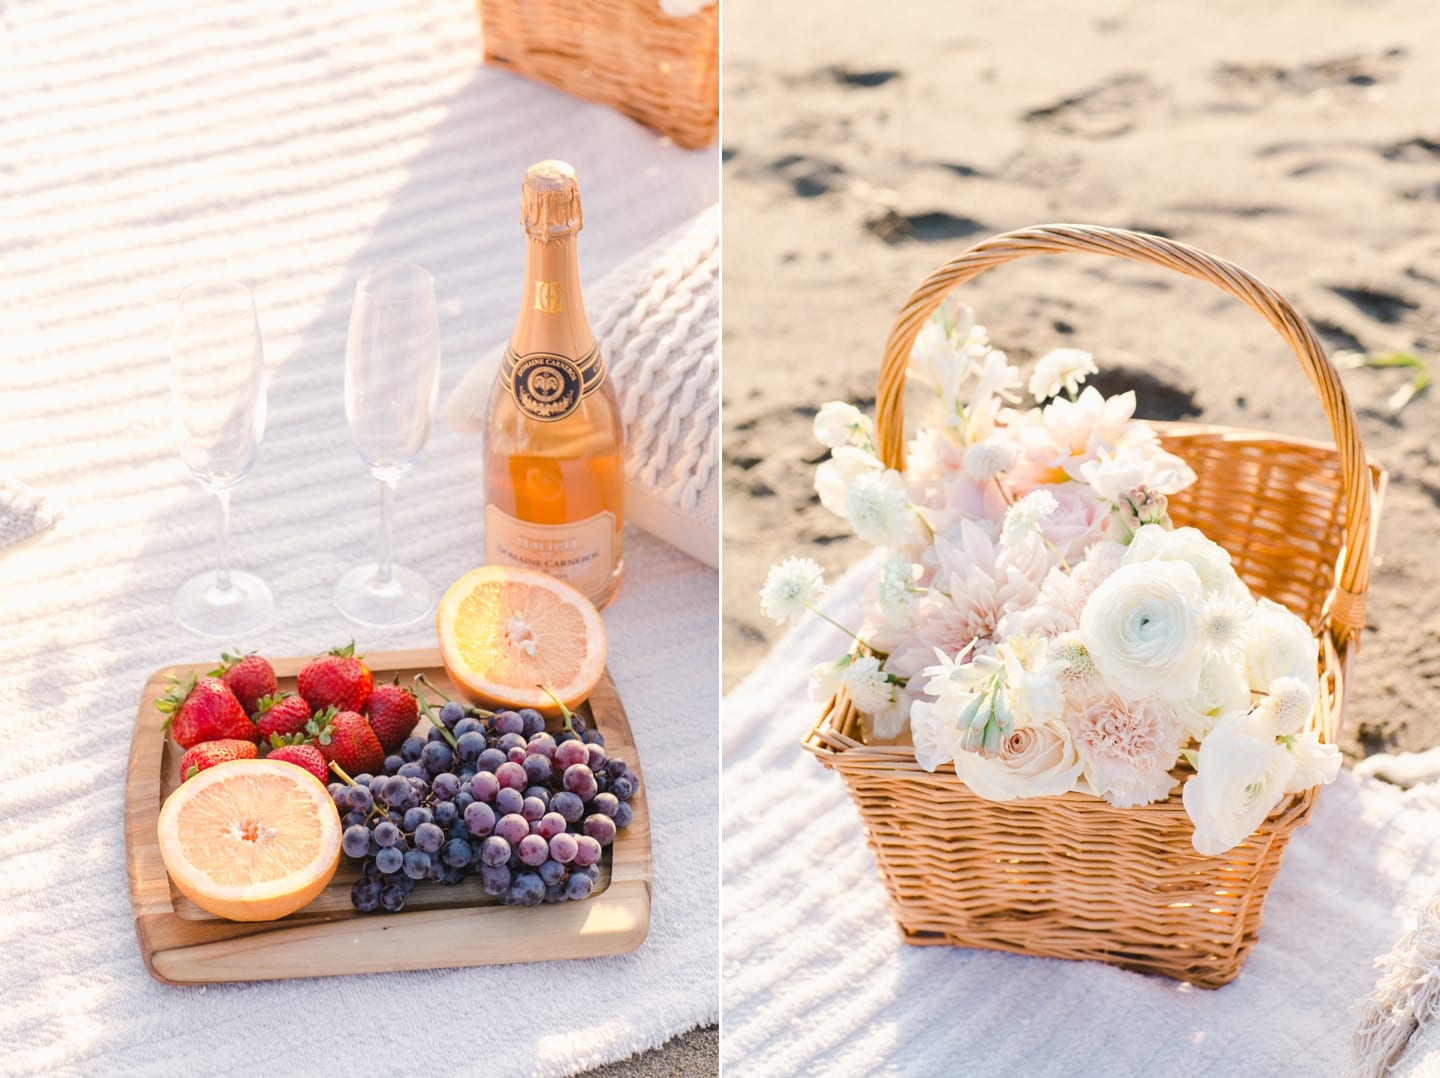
x,y
554,443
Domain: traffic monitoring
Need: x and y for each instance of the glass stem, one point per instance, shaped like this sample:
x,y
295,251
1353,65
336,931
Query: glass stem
x,y
222,503
387,503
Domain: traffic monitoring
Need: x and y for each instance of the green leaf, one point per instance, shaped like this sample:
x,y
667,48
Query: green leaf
x,y
1350,360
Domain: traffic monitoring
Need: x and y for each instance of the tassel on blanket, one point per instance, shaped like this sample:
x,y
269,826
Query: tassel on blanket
x,y
1404,1001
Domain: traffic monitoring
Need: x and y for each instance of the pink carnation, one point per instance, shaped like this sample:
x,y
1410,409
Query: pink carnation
x,y
1129,747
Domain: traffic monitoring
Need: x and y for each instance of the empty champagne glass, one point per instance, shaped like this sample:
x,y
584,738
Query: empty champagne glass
x,y
392,382
217,397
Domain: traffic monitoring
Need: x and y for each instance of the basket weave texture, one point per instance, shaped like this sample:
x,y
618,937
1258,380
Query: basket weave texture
x,y
628,54
1072,876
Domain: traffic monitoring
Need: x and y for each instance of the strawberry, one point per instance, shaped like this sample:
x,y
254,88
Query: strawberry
x,y
295,750
337,678
281,713
393,713
204,710
249,676
209,753
346,738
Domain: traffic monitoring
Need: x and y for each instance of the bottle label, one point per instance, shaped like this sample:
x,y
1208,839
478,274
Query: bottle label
x,y
547,386
581,553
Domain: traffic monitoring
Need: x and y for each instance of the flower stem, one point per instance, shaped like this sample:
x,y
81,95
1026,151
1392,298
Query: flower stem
x,y
837,625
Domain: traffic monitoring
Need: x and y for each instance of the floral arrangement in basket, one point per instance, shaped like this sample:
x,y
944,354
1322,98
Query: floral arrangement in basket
x,y
1036,617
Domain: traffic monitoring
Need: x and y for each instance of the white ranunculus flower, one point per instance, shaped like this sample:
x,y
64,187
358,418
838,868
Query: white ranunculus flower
x,y
937,739
1223,688
1209,559
1141,628
1281,645
1241,774
837,421
1035,760
1063,368
835,477
1315,763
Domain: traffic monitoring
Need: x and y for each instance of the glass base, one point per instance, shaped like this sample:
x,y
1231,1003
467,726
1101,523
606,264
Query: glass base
x,y
203,607
405,599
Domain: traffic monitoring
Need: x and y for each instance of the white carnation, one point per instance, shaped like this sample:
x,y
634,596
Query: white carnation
x,y
790,587
837,422
1141,628
1240,776
1063,368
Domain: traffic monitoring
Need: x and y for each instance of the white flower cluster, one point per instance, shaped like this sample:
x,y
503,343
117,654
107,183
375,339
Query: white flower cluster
x,y
1037,617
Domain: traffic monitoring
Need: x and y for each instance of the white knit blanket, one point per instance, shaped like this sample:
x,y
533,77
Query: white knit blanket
x,y
146,145
817,981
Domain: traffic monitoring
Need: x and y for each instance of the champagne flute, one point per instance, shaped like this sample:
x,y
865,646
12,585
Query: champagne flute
x,y
392,383
217,397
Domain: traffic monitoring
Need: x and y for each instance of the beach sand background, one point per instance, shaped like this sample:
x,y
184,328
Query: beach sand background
x,y
865,143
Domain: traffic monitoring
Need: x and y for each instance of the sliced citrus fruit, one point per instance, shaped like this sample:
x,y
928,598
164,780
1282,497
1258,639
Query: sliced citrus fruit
x,y
504,632
250,840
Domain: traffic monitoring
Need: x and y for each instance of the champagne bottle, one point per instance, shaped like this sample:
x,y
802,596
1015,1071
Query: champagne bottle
x,y
554,443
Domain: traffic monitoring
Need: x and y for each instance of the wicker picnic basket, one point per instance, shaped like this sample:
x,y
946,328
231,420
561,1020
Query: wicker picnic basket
x,y
660,69
1072,876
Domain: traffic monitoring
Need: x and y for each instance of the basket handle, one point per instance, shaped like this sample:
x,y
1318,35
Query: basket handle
x,y
1347,604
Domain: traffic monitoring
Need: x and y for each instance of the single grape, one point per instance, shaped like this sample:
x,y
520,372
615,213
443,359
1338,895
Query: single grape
x,y
570,753
593,871
563,847
446,813
506,742
568,805
537,769
355,841
451,713
494,879
555,895
366,779
433,733
368,871
484,786
393,791
417,864
412,769
479,818
566,735
389,859
532,721
429,837
614,767
580,780
551,824
470,744
540,793
494,851
393,763
541,744
527,889
365,895
508,722
510,775
445,786
393,896
490,759
593,738
622,788
387,834
600,828
578,887
551,873
436,872
469,725
457,853
532,809
337,787
509,801
350,819
512,828
595,757
437,757
533,850
414,817
623,814
605,804
587,851
515,755
410,748
452,875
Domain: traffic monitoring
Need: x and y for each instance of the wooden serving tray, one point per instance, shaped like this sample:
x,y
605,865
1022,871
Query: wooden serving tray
x,y
440,926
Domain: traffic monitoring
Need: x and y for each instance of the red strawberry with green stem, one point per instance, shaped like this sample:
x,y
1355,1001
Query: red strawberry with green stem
x,y
336,679
209,753
249,676
393,713
281,713
346,738
204,710
296,750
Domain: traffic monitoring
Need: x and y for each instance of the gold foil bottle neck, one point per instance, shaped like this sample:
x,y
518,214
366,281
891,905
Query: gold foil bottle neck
x,y
550,201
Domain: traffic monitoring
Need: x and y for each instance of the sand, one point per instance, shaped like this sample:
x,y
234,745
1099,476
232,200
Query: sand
x,y
865,143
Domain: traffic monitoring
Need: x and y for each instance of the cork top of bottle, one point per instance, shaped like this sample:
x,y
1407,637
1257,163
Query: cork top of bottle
x,y
550,201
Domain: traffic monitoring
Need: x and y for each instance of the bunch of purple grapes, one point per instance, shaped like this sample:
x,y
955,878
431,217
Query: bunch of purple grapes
x,y
487,794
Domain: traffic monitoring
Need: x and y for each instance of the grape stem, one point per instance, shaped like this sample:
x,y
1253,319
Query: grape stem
x,y
565,712
429,710
340,771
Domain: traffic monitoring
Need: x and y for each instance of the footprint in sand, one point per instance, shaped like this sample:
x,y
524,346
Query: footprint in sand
x,y
1108,110
1349,75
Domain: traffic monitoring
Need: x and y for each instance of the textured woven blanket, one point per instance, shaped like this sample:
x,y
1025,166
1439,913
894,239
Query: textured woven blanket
x,y
816,979
147,145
